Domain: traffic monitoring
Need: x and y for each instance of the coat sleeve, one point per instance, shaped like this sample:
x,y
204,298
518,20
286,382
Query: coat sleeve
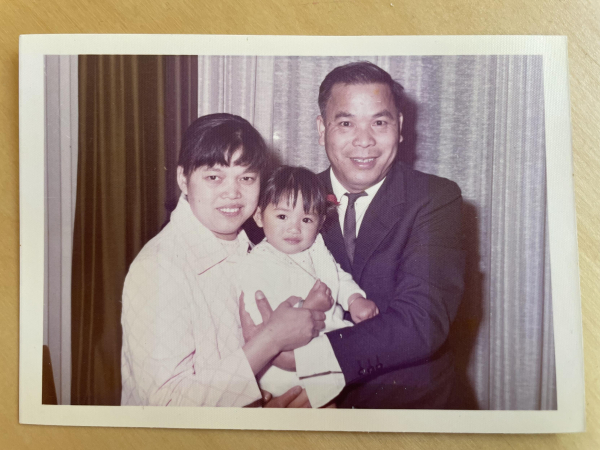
x,y
428,289
170,350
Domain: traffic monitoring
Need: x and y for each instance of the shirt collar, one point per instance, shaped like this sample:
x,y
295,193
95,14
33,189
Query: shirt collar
x,y
203,248
339,190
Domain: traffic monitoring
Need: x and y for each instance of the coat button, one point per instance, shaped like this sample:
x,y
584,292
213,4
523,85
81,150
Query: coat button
x,y
379,366
362,372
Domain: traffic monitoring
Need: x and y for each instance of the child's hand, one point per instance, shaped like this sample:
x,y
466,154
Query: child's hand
x,y
319,298
362,309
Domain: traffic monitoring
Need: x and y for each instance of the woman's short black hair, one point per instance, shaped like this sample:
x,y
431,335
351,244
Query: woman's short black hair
x,y
286,182
213,139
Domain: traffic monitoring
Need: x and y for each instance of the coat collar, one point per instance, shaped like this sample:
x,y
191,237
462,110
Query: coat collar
x,y
203,249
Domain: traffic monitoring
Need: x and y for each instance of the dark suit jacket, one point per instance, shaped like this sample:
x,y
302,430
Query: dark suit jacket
x,y
409,260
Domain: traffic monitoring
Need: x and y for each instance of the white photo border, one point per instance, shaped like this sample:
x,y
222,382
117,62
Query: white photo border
x,y
566,303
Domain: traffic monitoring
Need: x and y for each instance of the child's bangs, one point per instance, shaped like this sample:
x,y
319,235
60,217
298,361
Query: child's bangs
x,y
290,196
287,183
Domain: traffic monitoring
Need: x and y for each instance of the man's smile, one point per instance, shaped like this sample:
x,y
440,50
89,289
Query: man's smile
x,y
364,163
363,160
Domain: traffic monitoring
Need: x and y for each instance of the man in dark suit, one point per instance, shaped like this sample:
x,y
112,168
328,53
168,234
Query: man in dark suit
x,y
397,231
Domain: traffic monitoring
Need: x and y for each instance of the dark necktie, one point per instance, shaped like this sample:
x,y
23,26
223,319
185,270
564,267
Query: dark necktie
x,y
350,224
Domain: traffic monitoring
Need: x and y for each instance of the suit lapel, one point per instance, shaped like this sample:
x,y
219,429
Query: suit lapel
x,y
383,213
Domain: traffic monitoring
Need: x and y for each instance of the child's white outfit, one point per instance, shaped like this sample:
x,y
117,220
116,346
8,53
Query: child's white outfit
x,y
279,276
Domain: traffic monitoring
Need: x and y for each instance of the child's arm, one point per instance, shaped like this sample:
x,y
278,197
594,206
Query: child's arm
x,y
285,361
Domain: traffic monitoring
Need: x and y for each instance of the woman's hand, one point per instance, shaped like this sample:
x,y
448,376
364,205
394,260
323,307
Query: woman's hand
x,y
287,326
319,298
284,329
249,329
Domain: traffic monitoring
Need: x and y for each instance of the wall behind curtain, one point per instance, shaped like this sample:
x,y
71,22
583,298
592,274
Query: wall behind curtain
x,y
478,120
132,110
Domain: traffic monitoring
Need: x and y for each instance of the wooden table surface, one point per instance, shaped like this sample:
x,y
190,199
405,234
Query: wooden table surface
x,y
577,19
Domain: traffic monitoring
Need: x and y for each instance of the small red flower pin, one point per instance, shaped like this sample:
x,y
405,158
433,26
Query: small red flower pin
x,y
331,198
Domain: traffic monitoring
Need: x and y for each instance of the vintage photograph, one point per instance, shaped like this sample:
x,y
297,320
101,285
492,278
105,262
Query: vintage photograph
x,y
332,232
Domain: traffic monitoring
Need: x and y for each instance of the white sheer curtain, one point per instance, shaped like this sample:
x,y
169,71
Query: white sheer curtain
x,y
478,120
62,121
241,85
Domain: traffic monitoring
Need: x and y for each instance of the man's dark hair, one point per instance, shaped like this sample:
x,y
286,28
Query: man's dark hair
x,y
213,139
286,182
361,72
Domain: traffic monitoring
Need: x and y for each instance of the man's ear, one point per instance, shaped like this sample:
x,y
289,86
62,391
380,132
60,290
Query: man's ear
x,y
400,121
182,180
321,129
258,217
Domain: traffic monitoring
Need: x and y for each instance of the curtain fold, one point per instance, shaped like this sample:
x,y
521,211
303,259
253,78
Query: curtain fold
x,y
124,131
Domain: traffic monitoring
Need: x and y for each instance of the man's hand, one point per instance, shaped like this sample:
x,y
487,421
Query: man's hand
x,y
362,309
294,398
319,298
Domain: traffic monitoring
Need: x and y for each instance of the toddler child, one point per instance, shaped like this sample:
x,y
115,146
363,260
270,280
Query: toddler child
x,y
292,260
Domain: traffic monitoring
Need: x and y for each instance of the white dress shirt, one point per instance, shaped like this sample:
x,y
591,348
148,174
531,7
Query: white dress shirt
x,y
317,357
182,338
361,204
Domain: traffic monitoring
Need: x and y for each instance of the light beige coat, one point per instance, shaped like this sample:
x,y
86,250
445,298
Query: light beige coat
x,y
182,339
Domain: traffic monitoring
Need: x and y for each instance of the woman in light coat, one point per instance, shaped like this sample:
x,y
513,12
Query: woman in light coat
x,y
182,338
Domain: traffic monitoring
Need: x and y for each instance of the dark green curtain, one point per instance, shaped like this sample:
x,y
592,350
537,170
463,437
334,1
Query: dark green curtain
x,y
132,112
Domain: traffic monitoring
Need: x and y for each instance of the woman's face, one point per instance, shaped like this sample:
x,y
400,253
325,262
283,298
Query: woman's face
x,y
221,197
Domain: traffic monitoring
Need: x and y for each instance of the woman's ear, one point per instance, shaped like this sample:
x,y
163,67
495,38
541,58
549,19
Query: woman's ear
x,y
258,217
181,180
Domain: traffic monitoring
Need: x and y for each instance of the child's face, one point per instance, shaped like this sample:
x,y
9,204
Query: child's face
x,y
288,228
221,197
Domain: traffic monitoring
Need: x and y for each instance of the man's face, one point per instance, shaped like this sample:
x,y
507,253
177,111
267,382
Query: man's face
x,y
221,197
360,132
288,228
